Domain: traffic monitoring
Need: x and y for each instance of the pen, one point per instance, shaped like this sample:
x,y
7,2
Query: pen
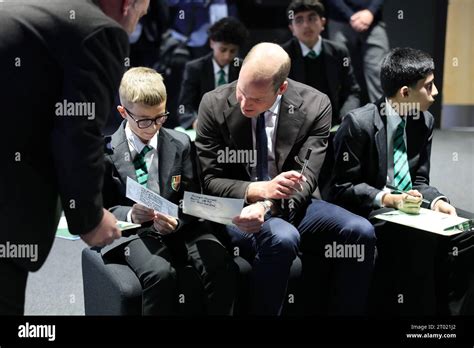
x,y
395,189
306,160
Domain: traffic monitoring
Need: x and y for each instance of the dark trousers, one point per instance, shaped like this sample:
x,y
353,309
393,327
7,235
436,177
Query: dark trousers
x,y
416,272
272,251
181,277
12,289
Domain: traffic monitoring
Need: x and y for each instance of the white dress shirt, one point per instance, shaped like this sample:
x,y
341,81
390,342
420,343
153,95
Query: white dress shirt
x,y
217,75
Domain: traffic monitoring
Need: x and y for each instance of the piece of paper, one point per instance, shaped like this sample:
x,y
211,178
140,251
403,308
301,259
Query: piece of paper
x,y
124,225
140,194
217,209
63,229
427,220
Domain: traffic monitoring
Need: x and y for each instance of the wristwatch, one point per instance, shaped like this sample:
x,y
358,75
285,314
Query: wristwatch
x,y
266,205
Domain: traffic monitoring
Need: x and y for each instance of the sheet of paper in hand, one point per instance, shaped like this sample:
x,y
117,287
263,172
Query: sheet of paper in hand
x,y
428,220
217,209
150,199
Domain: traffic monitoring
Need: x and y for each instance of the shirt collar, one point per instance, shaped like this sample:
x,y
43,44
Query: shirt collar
x,y
392,116
317,48
217,68
275,108
136,144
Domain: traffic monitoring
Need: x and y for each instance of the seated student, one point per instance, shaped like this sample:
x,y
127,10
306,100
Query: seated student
x,y
162,160
219,67
320,63
388,143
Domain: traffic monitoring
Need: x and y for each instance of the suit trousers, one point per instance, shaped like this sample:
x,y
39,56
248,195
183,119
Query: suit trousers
x,y
159,263
322,226
367,50
12,290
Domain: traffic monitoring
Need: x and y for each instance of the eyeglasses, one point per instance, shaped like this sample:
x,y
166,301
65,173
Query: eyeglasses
x,y
301,19
145,123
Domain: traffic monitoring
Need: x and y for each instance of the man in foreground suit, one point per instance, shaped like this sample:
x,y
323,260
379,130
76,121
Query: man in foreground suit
x,y
217,68
389,143
61,63
272,119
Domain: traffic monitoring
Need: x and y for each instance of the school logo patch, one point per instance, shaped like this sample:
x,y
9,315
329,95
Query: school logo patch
x,y
175,182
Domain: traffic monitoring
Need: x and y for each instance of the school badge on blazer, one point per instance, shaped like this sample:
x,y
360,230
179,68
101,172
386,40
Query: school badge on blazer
x,y
175,182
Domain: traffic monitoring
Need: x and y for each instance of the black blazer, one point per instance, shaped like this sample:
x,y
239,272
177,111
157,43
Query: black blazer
x,y
175,158
198,79
304,122
360,169
48,59
344,92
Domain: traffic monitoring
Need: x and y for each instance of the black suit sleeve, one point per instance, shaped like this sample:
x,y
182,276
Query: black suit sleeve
x,y
91,76
189,96
349,188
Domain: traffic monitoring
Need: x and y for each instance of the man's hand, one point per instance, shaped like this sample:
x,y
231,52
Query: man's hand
x,y
251,218
444,207
104,233
141,214
283,186
164,224
362,20
409,203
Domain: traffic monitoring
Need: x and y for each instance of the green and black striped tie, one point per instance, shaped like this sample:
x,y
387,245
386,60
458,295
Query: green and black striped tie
x,y
401,171
140,166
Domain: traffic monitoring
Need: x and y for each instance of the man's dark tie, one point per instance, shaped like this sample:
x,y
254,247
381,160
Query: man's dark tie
x,y
262,149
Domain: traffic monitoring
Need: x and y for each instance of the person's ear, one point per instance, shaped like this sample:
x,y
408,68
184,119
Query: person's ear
x,y
323,22
121,111
404,92
283,88
211,44
290,26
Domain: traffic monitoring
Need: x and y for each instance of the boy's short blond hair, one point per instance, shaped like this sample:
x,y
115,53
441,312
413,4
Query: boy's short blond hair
x,y
142,85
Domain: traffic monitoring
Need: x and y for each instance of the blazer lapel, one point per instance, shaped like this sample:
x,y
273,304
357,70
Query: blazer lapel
x,y
240,127
331,68
289,124
121,156
166,157
380,123
297,65
208,81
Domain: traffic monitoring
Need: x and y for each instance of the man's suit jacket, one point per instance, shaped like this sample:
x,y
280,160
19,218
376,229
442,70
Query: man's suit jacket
x,y
198,79
343,90
360,169
304,122
53,53
175,159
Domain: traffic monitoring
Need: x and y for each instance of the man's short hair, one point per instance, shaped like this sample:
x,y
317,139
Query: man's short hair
x,y
229,30
297,6
142,85
404,67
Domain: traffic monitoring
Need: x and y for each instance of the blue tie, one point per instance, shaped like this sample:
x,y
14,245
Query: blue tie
x,y
262,149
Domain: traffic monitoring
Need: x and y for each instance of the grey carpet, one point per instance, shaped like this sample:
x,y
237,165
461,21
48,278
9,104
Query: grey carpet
x,y
56,289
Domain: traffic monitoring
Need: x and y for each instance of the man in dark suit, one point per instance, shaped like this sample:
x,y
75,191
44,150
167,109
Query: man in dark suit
x,y
275,120
52,146
163,161
320,63
219,67
388,143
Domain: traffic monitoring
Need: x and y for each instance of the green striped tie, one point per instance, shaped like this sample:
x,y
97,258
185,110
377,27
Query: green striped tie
x,y
312,55
140,166
401,171
222,80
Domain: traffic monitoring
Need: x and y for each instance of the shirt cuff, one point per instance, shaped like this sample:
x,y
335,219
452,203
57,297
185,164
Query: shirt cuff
x,y
129,216
433,202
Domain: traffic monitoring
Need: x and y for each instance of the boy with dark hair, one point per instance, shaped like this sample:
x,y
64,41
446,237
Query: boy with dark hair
x,y
320,63
217,68
163,161
388,144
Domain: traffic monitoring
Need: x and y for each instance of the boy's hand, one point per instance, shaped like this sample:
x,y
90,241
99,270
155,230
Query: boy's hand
x,y
141,214
105,233
408,203
445,207
164,224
